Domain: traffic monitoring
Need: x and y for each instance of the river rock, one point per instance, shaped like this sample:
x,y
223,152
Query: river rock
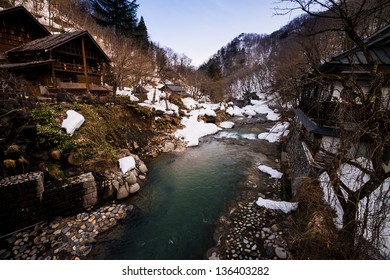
x,y
281,253
143,169
169,147
131,179
122,193
134,188
275,228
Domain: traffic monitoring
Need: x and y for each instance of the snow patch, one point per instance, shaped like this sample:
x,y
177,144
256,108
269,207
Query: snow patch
x,y
195,129
270,171
73,121
126,164
284,206
226,125
189,103
275,133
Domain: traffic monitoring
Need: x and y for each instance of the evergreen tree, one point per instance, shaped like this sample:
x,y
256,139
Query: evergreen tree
x,y
141,34
119,14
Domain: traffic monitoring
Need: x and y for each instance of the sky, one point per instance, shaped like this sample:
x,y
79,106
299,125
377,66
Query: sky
x,y
199,28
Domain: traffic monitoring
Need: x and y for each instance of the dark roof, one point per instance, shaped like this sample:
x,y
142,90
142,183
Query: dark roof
x,y
53,41
312,127
140,89
31,64
174,88
22,9
378,45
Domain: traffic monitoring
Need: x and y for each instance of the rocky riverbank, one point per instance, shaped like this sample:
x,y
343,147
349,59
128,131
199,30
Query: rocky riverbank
x,y
245,230
253,232
68,238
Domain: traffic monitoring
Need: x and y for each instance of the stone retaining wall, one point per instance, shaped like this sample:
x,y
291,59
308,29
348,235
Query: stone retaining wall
x,y
25,200
299,164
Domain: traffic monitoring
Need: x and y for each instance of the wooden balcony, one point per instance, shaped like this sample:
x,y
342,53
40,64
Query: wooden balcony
x,y
330,113
76,68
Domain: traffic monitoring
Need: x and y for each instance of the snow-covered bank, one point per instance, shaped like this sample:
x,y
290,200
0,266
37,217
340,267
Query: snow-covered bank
x,y
194,129
278,131
270,171
284,206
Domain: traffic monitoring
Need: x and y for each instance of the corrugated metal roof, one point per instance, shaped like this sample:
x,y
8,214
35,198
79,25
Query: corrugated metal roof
x,y
378,45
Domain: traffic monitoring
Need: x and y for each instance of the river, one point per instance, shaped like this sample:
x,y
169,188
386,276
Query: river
x,y
180,200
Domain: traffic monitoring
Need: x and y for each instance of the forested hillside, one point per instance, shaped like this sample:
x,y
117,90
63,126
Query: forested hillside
x,y
254,62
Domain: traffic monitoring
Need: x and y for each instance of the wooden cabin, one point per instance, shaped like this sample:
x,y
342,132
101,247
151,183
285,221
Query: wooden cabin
x,y
322,98
140,92
327,98
71,62
17,27
173,89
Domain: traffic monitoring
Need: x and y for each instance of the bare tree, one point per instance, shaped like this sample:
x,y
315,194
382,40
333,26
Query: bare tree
x,y
367,113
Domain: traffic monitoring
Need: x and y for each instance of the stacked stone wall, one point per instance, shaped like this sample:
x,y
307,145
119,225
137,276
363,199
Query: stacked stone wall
x,y
25,200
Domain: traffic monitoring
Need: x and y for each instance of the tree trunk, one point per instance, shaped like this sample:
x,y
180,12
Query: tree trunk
x,y
350,222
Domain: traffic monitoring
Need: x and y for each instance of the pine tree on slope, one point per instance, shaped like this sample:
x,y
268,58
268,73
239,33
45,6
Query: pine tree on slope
x,y
141,34
119,14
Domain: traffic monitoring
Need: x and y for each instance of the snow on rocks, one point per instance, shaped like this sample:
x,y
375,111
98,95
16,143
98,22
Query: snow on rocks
x,y
235,111
256,107
284,206
195,129
161,106
127,92
275,133
270,171
190,103
73,121
119,185
226,125
126,164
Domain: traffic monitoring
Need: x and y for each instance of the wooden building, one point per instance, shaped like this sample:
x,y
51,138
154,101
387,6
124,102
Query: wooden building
x,y
336,95
140,92
17,27
173,89
71,61
325,96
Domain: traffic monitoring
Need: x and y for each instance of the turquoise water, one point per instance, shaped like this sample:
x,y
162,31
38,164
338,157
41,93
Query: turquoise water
x,y
182,197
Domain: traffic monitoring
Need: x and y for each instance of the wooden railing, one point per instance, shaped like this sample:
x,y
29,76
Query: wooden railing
x,y
77,68
330,113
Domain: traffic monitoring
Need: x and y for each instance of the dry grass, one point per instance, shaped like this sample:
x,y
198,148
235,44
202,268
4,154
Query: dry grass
x,y
312,231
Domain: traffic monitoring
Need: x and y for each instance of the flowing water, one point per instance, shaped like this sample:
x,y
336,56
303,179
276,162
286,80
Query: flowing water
x,y
183,195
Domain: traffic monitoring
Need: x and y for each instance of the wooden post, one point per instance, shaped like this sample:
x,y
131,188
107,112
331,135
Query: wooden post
x,y
53,74
85,63
102,71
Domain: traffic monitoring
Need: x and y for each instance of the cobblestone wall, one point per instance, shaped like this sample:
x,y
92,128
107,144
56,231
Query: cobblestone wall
x,y
25,200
